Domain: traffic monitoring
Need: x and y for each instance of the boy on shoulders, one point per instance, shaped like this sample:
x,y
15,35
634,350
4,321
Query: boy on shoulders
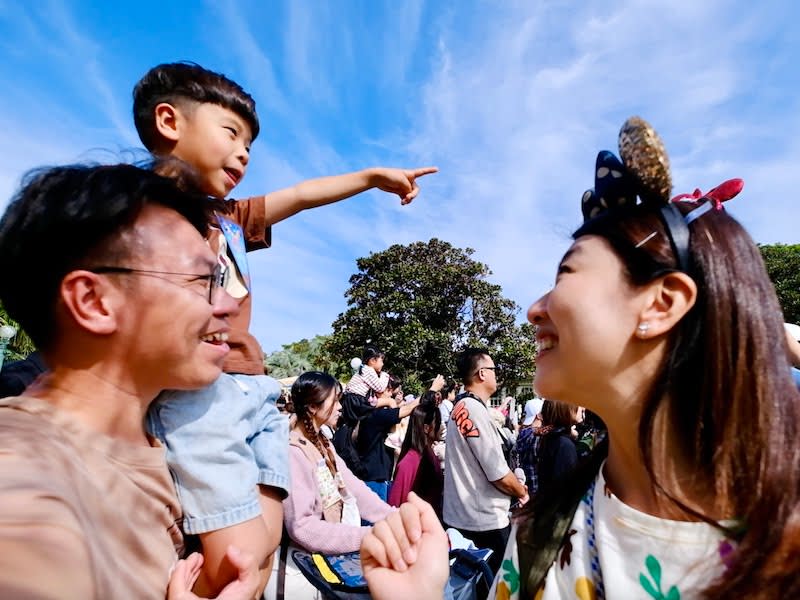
x,y
227,444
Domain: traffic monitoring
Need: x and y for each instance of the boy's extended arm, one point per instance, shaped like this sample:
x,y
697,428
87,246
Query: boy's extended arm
x,y
259,537
311,193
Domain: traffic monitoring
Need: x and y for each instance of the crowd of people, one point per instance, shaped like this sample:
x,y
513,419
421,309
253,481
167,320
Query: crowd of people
x,y
148,458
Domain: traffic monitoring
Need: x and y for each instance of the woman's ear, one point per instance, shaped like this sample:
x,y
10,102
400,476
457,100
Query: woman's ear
x,y
668,299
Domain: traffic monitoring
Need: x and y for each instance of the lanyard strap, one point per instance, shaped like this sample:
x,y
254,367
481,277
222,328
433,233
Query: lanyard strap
x,y
594,559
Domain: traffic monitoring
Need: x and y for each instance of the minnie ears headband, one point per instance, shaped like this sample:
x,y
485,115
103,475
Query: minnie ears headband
x,y
644,172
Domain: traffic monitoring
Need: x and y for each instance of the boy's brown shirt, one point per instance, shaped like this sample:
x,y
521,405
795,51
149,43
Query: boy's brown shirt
x,y
246,356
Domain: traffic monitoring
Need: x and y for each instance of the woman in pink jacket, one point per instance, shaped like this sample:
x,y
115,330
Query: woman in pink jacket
x,y
324,510
327,502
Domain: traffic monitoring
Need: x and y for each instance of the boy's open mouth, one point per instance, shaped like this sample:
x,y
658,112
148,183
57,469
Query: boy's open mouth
x,y
233,174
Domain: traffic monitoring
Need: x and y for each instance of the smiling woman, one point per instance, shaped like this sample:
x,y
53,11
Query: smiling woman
x,y
699,450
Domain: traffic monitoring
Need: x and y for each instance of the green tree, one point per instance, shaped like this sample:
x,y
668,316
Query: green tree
x,y
305,355
783,266
421,303
21,345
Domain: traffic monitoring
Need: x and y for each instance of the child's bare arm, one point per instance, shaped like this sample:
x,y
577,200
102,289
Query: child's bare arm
x,y
259,537
244,587
311,193
794,350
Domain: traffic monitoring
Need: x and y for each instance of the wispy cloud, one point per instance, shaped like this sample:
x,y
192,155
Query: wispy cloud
x,y
518,118
512,100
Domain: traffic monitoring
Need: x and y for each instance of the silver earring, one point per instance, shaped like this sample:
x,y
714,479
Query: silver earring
x,y
642,328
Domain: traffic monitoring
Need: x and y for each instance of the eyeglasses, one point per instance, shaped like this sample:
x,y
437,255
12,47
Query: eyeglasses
x,y
216,279
489,368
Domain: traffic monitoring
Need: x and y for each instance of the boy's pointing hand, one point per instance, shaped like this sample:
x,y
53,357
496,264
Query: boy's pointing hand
x,y
402,182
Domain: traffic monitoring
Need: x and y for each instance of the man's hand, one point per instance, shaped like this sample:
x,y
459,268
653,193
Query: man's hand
x,y
405,556
402,182
186,572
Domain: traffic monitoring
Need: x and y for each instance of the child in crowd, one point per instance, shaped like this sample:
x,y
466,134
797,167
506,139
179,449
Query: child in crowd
x,y
370,380
376,458
226,444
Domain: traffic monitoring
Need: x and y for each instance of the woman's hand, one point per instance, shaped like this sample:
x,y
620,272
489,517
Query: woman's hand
x,y
406,555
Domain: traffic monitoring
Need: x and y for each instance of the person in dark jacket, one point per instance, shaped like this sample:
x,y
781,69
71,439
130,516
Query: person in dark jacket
x,y
19,374
558,455
377,459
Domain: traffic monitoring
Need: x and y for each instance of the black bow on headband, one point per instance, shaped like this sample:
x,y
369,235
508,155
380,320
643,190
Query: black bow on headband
x,y
644,173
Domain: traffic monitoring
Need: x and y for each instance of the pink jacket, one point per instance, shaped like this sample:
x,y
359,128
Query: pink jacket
x,y
302,509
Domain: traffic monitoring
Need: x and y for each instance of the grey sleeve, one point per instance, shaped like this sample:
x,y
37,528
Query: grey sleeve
x,y
484,441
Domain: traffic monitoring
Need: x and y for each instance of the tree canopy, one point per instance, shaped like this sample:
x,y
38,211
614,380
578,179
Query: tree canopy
x,y
305,355
783,266
21,345
423,302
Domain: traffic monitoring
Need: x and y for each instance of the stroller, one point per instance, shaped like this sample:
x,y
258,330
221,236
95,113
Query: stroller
x,y
339,577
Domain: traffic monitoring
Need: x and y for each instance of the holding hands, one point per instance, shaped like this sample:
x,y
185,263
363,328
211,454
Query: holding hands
x,y
406,555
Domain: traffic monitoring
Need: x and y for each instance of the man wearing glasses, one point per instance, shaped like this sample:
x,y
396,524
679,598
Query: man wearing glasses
x,y
478,484
107,270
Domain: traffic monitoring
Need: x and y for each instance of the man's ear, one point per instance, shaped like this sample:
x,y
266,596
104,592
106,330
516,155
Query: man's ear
x,y
669,298
168,120
87,299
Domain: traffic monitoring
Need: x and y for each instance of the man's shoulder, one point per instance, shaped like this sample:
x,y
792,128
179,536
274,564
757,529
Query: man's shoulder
x,y
470,418
32,434
34,461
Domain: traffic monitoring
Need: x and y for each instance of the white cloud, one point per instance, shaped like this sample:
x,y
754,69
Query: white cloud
x,y
517,124
511,100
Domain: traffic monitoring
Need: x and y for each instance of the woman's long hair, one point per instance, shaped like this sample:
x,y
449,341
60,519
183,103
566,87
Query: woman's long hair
x,y
726,388
558,414
417,438
428,479
312,389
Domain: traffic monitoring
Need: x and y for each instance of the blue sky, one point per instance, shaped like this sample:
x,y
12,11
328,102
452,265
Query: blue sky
x,y
512,100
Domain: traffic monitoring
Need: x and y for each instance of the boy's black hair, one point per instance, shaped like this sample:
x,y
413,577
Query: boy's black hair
x,y
186,82
66,218
468,361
